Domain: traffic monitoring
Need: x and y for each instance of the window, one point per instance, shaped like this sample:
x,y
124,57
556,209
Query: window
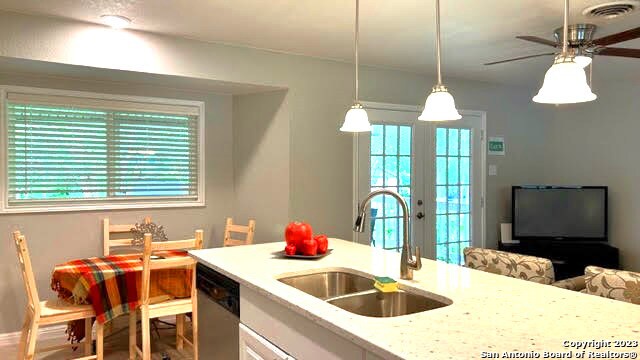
x,y
95,151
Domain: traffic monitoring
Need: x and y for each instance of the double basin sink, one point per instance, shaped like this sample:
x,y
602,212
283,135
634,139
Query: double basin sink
x,y
356,294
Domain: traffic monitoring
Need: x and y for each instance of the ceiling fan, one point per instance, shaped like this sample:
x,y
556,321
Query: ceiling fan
x,y
582,45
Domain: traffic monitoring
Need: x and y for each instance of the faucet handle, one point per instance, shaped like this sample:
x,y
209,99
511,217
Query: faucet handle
x,y
417,263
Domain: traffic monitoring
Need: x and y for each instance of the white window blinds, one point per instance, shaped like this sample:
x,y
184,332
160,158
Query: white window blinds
x,y
70,149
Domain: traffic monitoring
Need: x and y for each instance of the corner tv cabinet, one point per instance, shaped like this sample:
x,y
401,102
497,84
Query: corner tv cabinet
x,y
569,258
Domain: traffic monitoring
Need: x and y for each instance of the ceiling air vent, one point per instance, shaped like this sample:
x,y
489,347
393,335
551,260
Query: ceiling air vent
x,y
611,9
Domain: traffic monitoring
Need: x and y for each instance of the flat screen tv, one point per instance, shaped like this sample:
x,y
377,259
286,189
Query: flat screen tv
x,y
559,213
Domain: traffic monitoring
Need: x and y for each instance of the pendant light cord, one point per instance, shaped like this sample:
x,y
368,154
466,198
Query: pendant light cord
x,y
565,30
438,55
356,47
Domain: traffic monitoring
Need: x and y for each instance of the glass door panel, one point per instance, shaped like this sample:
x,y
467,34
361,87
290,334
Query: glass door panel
x,y
390,168
453,168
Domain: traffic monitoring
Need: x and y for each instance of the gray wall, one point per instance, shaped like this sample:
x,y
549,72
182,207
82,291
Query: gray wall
x,y
57,237
261,162
597,144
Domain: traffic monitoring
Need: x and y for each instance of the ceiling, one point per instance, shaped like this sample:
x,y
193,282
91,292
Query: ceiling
x,y
395,34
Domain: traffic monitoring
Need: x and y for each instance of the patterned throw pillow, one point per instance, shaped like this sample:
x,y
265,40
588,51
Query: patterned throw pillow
x,y
613,284
518,266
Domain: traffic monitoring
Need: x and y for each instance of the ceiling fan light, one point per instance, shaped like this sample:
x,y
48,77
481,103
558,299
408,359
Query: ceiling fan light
x,y
116,21
583,60
440,106
565,83
356,120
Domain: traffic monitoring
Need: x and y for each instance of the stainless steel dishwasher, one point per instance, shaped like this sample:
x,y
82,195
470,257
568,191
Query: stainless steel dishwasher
x,y
218,314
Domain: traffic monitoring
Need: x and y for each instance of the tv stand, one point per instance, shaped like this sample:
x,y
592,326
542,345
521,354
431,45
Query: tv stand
x,y
569,258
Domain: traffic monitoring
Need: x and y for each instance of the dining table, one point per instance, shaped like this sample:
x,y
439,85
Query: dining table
x,y
111,285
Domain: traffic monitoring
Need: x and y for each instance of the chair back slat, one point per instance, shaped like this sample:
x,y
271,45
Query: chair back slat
x,y
174,245
238,228
157,264
231,228
235,242
149,264
27,272
108,230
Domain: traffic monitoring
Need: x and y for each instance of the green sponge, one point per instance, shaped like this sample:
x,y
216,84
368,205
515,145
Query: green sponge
x,y
385,284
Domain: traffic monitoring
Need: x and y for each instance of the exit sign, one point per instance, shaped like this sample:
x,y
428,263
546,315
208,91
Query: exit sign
x,y
496,146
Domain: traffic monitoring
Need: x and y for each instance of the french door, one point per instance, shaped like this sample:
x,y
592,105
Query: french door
x,y
437,167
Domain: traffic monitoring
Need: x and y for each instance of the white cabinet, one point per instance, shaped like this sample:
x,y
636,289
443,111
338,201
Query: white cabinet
x,y
255,347
283,328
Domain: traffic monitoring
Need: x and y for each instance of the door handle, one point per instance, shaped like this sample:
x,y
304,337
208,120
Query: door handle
x,y
420,215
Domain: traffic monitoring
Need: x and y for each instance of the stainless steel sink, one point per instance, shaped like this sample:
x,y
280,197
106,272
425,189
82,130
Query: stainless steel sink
x,y
326,285
356,294
379,304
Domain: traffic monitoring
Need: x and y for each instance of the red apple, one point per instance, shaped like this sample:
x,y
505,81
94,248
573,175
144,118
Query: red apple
x,y
323,243
296,232
309,247
290,249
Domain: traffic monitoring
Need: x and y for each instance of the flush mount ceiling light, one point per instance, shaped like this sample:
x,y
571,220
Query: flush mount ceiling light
x,y
356,119
115,21
440,105
565,82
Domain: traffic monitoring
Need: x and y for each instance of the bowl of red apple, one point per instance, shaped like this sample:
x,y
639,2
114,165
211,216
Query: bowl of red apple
x,y
302,244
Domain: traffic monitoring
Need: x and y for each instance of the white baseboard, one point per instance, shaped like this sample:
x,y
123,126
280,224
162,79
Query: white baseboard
x,y
50,333
44,334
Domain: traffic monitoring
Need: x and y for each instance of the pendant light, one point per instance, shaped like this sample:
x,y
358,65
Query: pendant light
x,y
356,119
439,105
565,82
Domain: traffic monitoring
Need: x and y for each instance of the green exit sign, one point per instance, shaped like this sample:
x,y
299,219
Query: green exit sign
x,y
496,146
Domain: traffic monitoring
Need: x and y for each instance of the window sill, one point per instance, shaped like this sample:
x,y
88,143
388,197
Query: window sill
x,y
40,208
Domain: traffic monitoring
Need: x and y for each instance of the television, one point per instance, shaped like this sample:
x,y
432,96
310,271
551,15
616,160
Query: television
x,y
559,213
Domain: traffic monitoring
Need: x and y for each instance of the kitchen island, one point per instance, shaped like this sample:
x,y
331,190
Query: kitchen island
x,y
490,314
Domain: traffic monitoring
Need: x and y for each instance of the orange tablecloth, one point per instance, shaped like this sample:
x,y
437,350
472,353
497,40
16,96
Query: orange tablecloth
x,y
112,284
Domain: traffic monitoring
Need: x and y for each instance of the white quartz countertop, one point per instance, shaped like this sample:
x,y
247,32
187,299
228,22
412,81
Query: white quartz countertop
x,y
490,313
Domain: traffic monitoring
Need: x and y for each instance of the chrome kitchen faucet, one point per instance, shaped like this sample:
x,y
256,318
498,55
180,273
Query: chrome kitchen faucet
x,y
407,262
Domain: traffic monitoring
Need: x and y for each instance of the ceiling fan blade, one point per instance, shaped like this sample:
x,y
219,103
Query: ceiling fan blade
x,y
631,53
519,58
538,40
619,37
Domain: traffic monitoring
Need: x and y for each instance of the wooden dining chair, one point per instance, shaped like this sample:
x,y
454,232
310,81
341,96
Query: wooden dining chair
x,y
247,230
112,235
179,307
50,312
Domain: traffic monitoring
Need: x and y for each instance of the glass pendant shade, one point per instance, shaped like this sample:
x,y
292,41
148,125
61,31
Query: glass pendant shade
x,y
356,120
565,83
582,60
440,106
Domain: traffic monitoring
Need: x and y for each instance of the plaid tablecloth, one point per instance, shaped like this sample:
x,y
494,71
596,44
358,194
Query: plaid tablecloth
x,y
112,284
